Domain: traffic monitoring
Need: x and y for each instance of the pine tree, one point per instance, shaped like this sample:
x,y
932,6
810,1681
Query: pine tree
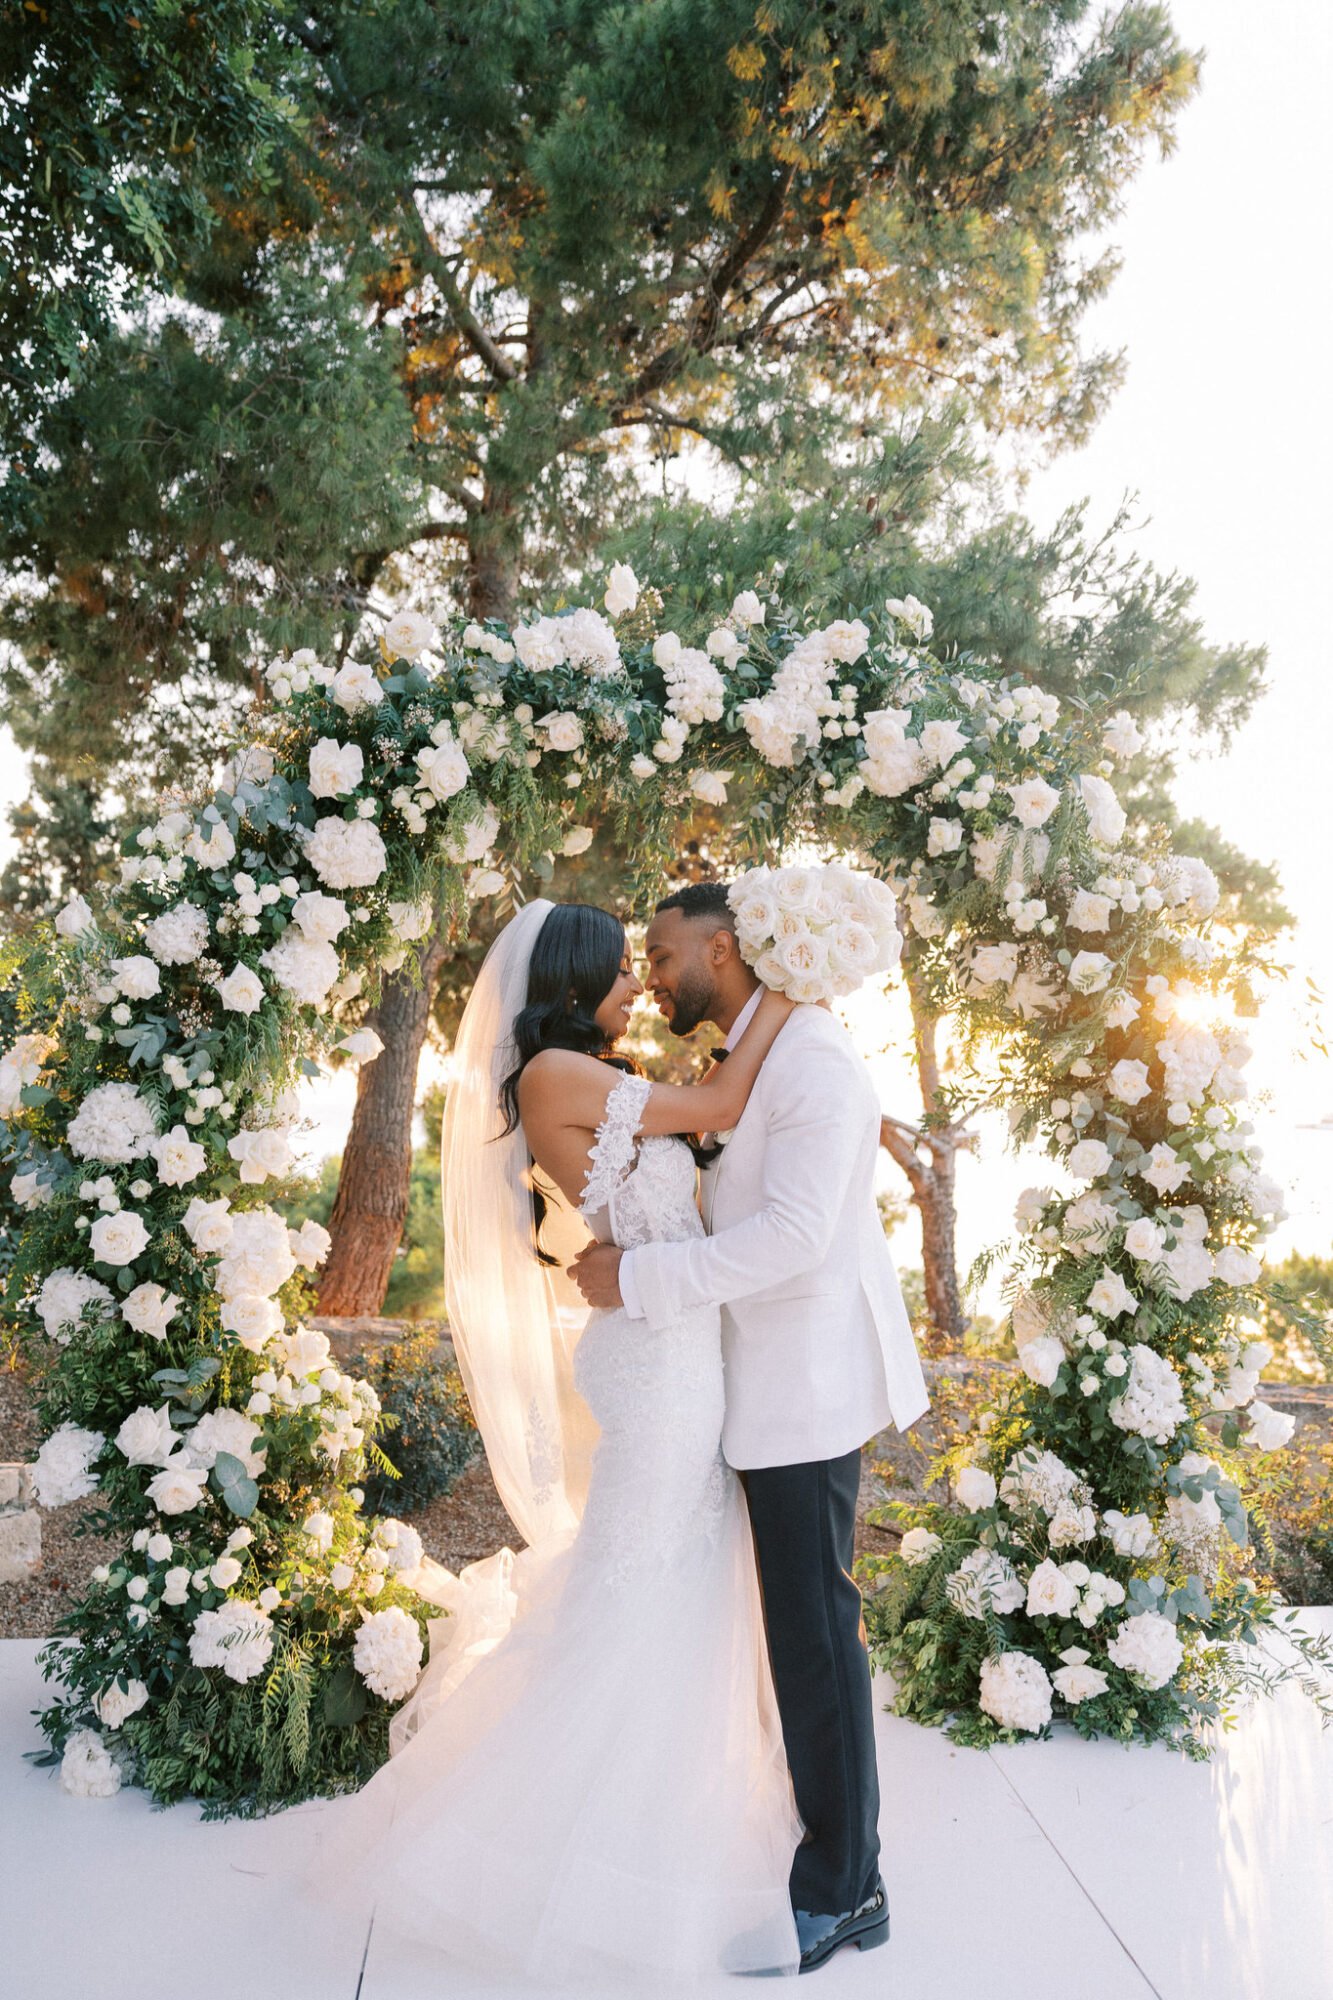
x,y
483,263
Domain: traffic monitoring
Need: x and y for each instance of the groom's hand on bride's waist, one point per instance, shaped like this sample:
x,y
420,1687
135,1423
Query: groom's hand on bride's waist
x,y
596,1272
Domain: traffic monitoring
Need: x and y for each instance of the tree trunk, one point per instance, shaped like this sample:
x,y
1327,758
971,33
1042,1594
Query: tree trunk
x,y
928,1155
373,1186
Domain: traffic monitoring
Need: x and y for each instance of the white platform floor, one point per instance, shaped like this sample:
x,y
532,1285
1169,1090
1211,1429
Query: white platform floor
x,y
1054,1871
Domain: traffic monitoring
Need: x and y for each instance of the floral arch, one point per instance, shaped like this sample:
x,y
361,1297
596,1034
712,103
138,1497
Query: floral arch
x,y
250,1641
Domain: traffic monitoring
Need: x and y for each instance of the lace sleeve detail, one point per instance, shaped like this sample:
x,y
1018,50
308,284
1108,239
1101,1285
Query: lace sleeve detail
x,y
612,1151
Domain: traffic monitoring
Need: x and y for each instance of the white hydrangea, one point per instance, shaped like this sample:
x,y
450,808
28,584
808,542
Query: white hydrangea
x,y
179,935
696,690
305,966
87,1769
257,1258
1016,1692
1152,1404
236,1636
64,1294
402,1543
113,1124
580,638
1148,1646
346,854
62,1470
387,1653
1038,1479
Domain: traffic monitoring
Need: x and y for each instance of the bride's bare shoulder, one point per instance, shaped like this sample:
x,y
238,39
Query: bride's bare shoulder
x,y
562,1073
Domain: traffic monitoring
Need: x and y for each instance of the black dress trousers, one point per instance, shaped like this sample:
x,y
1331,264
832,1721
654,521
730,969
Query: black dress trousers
x,y
804,1521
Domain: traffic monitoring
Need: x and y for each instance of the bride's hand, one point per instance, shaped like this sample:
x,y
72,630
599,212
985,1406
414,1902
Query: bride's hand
x,y
717,1101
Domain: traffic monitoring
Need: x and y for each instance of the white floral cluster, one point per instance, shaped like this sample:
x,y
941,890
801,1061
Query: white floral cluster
x,y
815,933
787,722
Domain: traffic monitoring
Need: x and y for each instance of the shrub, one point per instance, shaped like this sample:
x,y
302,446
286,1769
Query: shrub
x,y
434,1438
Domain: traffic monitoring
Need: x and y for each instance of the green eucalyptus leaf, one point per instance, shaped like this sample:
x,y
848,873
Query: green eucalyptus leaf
x,y
240,1493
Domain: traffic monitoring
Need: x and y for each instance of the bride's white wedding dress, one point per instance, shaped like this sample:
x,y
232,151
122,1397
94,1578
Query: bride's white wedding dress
x,y
603,1794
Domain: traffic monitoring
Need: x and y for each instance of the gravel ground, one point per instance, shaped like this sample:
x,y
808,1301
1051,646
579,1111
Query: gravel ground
x,y
457,1529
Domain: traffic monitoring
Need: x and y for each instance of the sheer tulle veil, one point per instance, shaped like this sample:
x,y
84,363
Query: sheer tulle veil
x,y
514,1322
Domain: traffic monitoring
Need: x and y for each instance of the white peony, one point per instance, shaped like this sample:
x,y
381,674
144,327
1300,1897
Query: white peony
x,y
1235,1266
1089,911
87,1768
622,589
747,608
387,1653
61,1301
919,1545
227,1430
252,1319
179,1486
1130,1535
208,1224
119,1238
138,978
237,1636
1106,815
1165,1170
146,1436
212,845
1076,1680
1121,737
179,935
1041,1359
113,1123
1148,1646
984,1581
115,1704
62,1469
1016,1692
242,991
976,1489
307,968
180,1159
1270,1429
335,768
346,854
1111,1296
310,1244
150,1309
74,918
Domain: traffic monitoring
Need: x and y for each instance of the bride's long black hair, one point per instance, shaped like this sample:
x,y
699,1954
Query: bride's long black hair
x,y
575,962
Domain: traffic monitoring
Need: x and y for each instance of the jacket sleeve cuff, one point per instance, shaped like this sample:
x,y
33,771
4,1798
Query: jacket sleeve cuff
x,y
630,1296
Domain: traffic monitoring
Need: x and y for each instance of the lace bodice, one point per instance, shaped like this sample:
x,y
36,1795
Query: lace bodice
x,y
637,1190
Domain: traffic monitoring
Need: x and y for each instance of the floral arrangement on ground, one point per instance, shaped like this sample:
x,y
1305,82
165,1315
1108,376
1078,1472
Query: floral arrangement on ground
x,y
250,1642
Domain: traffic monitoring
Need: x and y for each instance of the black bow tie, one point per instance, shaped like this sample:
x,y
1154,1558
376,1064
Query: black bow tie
x,y
720,1055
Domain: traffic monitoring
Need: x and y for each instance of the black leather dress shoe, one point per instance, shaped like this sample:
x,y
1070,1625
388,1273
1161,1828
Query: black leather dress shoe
x,y
821,1936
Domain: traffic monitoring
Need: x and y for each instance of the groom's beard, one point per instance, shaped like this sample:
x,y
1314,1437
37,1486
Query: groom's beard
x,y
692,1002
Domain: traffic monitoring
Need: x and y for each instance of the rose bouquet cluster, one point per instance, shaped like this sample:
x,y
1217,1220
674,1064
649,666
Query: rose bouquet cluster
x,y
815,933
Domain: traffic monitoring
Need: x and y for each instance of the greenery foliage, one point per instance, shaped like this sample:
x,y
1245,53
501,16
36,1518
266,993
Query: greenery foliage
x,y
434,1438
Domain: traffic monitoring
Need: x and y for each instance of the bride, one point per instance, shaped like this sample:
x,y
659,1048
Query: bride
x,y
589,1781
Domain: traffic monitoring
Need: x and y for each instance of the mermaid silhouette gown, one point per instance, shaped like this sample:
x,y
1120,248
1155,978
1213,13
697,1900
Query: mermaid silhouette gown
x,y
603,1794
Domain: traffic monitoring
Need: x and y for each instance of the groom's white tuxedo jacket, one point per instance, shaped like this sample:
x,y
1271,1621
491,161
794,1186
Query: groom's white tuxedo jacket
x,y
816,1340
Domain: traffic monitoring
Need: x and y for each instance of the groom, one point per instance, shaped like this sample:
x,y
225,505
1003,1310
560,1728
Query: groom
x,y
819,1356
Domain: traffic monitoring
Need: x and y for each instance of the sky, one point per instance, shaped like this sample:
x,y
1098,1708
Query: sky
x,y
1222,429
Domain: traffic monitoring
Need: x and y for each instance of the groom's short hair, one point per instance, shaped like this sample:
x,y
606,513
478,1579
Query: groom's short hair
x,y
702,899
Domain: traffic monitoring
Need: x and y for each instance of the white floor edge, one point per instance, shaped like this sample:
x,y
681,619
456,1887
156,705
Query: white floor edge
x,y
1051,1871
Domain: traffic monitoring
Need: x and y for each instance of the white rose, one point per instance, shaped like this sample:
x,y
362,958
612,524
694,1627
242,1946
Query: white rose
x,y
208,1224
1076,1681
1033,801
355,687
976,1489
149,1309
1165,1171
335,768
146,1436
1143,1240
1121,736
242,991
1129,1081
1237,1267
1106,815
362,1047
346,854
407,635
1089,1159
115,1704
118,1238
180,1159
747,608
710,786
577,841
1270,1429
444,768
1051,1594
1090,971
318,1530
1089,912
1041,1359
1111,1296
